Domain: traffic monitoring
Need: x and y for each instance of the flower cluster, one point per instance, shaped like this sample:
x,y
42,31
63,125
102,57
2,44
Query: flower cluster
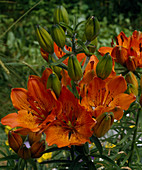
x,y
78,95
127,51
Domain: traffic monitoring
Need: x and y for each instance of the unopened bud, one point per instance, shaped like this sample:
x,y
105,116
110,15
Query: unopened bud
x,y
14,140
119,54
54,83
74,68
33,137
58,35
92,28
56,69
60,15
104,66
24,152
132,89
131,63
37,148
104,123
45,40
132,80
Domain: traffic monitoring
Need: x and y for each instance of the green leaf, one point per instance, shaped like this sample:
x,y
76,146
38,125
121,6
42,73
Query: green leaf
x,y
74,90
33,163
6,167
83,46
56,161
81,22
106,158
140,118
66,26
125,159
125,137
96,141
55,149
74,164
60,60
9,157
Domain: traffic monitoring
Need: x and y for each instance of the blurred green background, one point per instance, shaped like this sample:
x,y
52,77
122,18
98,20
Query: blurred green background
x,y
19,49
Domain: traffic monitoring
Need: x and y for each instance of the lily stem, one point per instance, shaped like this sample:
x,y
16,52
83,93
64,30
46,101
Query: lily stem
x,y
134,137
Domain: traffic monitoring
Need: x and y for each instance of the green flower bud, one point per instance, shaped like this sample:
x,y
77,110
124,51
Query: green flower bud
x,y
60,15
56,69
104,123
45,40
53,82
132,83
92,28
74,68
104,66
58,35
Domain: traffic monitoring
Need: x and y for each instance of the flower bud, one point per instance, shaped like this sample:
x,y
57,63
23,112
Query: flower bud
x,y
104,123
74,68
33,137
131,63
14,140
120,54
37,148
132,89
53,82
92,28
24,152
104,66
60,15
45,40
131,79
93,45
56,69
58,35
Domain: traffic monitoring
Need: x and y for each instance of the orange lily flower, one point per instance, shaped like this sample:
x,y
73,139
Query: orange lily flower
x,y
128,50
107,96
90,73
35,106
73,125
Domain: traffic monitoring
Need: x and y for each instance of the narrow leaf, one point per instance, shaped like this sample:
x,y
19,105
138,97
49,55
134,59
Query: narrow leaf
x,y
83,46
66,26
55,149
9,157
96,141
60,60
106,158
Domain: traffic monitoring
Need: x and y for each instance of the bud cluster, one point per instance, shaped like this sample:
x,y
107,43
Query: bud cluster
x,y
31,148
54,45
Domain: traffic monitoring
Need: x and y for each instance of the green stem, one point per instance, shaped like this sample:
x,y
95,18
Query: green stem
x,y
31,68
73,43
134,137
66,51
85,64
62,65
